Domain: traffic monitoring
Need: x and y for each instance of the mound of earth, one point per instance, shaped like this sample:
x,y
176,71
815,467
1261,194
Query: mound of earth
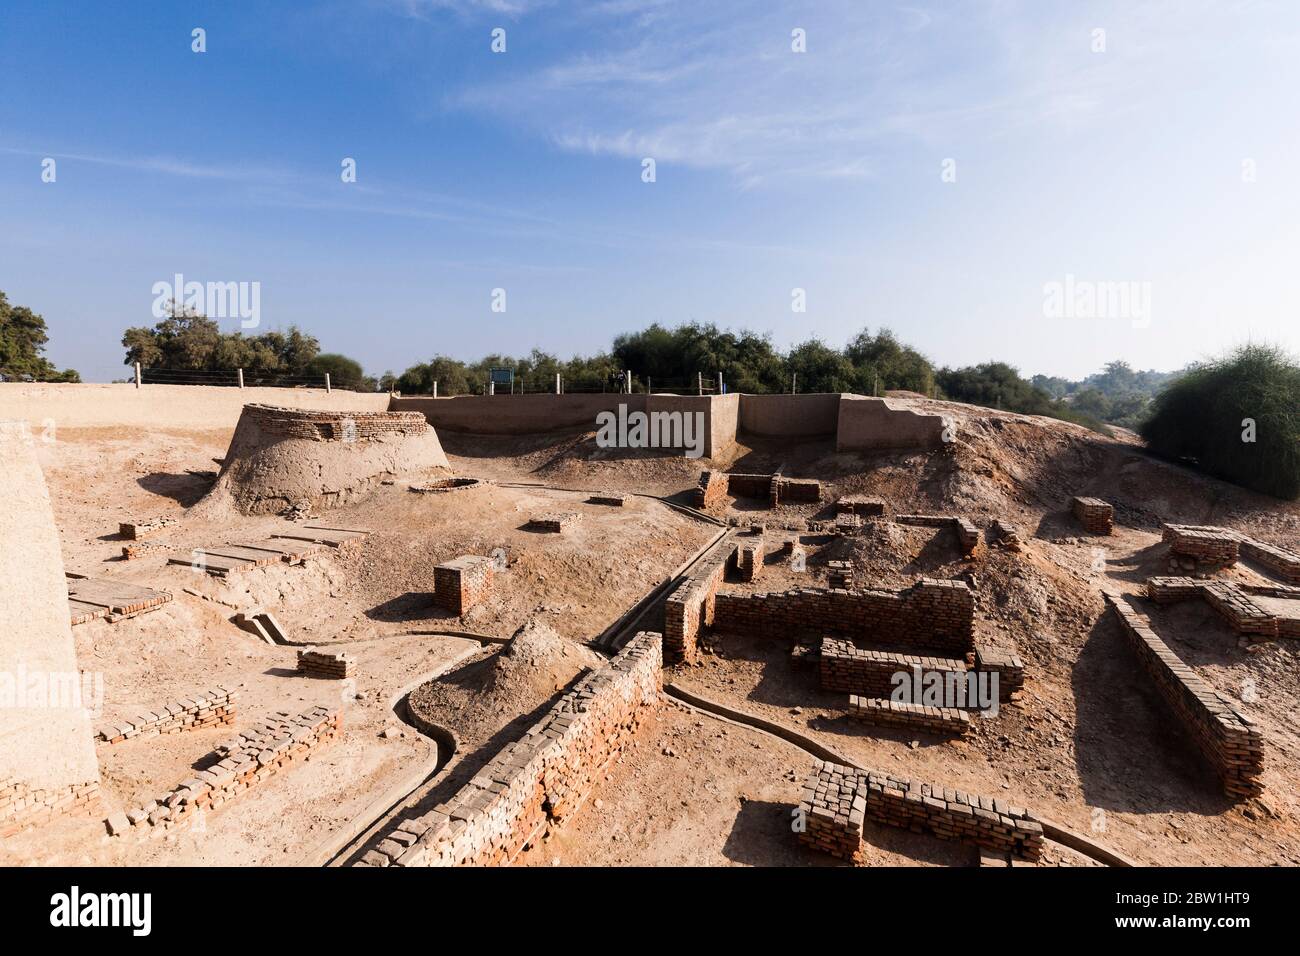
x,y
288,458
504,685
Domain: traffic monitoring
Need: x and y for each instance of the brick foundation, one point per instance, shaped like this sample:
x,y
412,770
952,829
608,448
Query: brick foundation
x,y
216,706
1234,602
840,575
22,807
884,712
139,530
331,425
1228,739
541,779
715,486
613,501
968,535
860,505
553,522
846,667
461,583
690,606
273,744
837,800
1095,515
932,614
749,558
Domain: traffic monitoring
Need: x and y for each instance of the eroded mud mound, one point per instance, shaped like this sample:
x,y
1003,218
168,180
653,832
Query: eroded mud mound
x,y
282,458
491,692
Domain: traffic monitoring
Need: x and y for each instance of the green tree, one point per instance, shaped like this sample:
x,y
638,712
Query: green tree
x,y
23,337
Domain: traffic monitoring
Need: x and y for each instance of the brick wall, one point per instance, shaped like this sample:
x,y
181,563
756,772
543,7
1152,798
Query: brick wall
x,y
542,778
749,558
330,665
884,712
553,522
22,806
968,535
1232,601
691,605
837,800
860,505
213,707
1285,564
846,667
1216,547
461,583
271,745
1228,739
333,425
711,490
1095,515
714,486
933,614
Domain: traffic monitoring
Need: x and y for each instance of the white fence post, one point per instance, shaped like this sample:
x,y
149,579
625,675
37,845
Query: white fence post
x,y
241,378
699,382
137,375
435,388
719,383
327,383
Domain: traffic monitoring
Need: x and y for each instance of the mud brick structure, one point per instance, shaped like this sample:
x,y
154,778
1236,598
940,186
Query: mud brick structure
x,y
1095,515
139,530
553,522
840,574
711,490
613,501
859,505
461,583
142,549
1006,664
932,614
884,712
216,706
690,606
273,744
837,800
1285,564
541,779
332,425
714,486
749,558
329,665
797,490
846,524
1203,549
1263,611
968,535
21,806
847,667
1227,738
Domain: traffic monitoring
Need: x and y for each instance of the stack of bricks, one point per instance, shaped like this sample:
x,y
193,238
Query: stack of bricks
x,y
968,535
1168,590
847,523
1285,564
332,425
139,530
21,806
614,501
840,575
883,712
142,549
838,799
712,490
933,614
554,522
209,709
1200,549
271,745
1008,534
749,558
460,584
1096,516
539,780
861,506
690,606
1229,740
1006,664
325,664
846,667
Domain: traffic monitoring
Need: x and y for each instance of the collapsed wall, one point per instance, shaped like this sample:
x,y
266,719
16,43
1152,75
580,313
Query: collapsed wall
x,y
933,614
282,458
1228,740
541,778
47,758
873,424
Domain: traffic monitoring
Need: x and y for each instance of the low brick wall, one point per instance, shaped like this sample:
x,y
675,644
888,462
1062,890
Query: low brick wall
x,y
1285,564
1216,547
839,575
213,707
333,425
837,800
896,713
1228,739
846,667
1232,601
932,614
691,605
786,490
22,807
542,778
329,665
860,505
1008,666
613,501
139,530
271,745
714,486
553,522
711,490
968,535
461,583
1095,515
749,558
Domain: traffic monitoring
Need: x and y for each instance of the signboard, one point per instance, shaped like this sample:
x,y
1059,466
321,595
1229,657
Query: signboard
x,y
501,376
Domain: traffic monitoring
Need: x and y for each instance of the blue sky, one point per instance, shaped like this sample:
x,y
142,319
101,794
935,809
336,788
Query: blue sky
x,y
775,170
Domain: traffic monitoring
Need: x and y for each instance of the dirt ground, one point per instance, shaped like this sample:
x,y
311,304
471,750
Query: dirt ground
x,y
1086,742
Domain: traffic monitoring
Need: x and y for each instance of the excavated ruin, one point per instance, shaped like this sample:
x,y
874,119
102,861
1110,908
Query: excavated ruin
x,y
290,458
